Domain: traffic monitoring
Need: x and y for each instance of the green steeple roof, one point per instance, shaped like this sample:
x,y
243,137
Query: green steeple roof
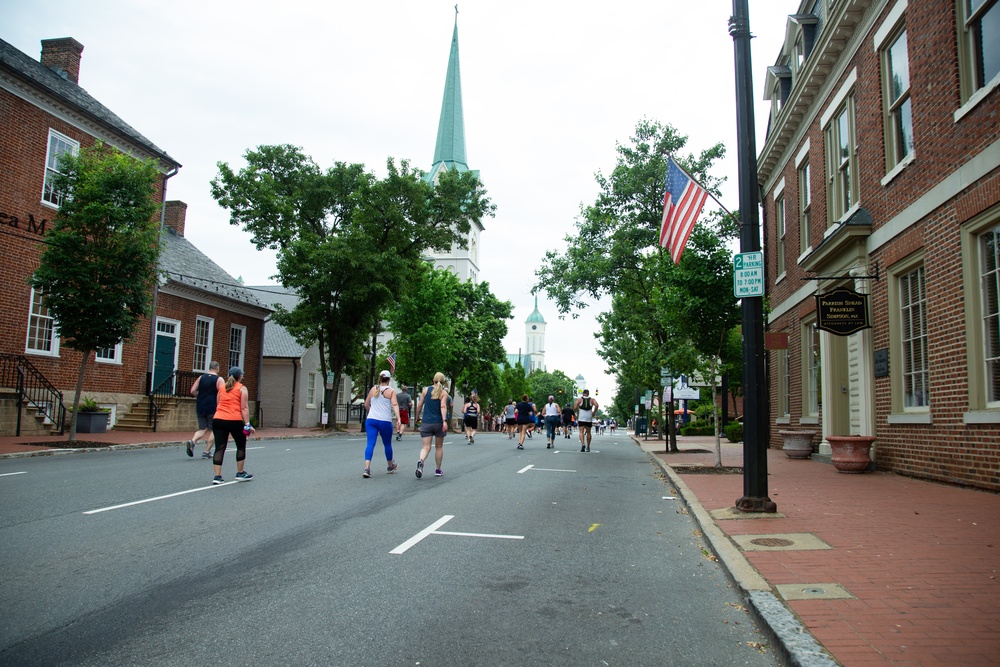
x,y
450,148
535,315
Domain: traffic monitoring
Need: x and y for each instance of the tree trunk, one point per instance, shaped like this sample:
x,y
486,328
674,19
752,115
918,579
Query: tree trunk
x,y
715,415
76,397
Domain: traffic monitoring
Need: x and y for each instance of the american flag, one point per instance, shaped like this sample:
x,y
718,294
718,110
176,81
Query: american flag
x,y
683,200
392,361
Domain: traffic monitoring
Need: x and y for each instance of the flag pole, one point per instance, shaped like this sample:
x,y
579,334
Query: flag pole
x,y
670,156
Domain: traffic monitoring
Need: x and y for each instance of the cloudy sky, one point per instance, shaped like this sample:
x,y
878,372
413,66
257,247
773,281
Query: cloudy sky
x,y
549,87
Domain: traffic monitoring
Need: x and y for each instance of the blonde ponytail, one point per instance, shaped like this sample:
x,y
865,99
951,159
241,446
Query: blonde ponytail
x,y
438,386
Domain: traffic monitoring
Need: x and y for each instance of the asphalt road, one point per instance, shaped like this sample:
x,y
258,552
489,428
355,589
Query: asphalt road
x,y
534,557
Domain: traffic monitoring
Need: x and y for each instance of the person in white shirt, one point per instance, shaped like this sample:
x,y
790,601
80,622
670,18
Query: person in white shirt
x,y
552,413
585,407
381,405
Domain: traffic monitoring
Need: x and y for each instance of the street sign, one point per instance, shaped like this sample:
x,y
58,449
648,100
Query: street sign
x,y
748,274
666,381
687,393
648,395
667,394
665,372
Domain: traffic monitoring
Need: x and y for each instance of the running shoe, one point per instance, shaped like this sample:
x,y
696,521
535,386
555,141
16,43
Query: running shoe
x,y
438,473
190,448
218,479
588,449
583,448
243,476
472,441
391,467
367,473
206,455
529,434
420,469
520,446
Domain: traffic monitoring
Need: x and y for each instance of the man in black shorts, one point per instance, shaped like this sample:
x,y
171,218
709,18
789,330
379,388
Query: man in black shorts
x,y
568,414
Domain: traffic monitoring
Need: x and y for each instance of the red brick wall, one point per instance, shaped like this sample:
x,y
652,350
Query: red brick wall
x,y
946,450
23,145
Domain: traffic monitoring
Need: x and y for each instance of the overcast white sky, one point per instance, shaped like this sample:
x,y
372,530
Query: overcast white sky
x,y
549,87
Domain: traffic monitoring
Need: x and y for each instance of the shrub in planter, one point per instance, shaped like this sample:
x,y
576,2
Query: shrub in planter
x,y
734,432
91,417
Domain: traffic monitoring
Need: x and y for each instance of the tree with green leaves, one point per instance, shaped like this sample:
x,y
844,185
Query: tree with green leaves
x,y
98,268
347,240
464,339
615,252
543,384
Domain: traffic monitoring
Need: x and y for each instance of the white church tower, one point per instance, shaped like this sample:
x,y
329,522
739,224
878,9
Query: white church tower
x,y
534,328
449,153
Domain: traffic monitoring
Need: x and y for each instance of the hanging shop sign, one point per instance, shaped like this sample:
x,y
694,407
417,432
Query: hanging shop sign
x,y
842,311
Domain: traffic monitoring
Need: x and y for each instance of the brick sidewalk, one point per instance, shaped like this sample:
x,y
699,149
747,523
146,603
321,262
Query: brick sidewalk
x,y
920,558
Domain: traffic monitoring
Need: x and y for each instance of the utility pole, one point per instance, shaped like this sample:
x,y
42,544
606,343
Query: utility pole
x,y
755,498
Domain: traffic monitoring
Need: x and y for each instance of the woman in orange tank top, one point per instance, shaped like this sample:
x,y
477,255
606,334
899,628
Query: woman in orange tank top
x,y
232,418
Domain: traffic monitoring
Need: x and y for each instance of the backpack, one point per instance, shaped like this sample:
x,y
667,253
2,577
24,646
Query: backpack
x,y
585,403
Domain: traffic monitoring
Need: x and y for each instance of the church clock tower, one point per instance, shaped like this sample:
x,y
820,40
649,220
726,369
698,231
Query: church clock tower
x,y
534,328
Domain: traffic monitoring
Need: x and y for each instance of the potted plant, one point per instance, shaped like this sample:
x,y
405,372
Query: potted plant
x,y
797,443
850,453
91,417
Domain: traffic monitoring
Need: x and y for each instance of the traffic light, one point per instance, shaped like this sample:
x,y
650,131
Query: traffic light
x,y
597,392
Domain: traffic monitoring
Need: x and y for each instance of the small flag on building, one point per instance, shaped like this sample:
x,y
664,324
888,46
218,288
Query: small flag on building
x,y
392,361
683,200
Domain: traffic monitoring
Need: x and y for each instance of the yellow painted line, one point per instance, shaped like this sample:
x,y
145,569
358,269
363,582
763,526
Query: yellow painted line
x,y
593,527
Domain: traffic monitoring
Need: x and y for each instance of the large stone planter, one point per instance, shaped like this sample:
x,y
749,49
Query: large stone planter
x,y
92,422
850,453
798,443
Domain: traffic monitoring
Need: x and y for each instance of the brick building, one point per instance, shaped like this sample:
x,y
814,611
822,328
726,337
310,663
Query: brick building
x,y
881,175
200,311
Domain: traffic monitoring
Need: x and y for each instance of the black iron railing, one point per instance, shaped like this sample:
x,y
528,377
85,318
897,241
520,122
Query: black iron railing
x,y
175,385
32,388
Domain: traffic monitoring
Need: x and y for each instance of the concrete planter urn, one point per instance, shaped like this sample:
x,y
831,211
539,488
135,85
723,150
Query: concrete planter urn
x,y
798,443
850,453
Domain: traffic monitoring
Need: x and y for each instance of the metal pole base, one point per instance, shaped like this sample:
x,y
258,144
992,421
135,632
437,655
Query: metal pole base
x,y
751,504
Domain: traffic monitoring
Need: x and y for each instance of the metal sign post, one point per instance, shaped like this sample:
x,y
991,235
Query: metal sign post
x,y
755,498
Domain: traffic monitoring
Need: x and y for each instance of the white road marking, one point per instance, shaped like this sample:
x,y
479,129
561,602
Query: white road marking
x,y
525,469
433,530
670,497
169,495
8,474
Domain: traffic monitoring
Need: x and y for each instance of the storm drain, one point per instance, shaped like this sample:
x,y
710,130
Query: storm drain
x,y
821,591
772,542
780,542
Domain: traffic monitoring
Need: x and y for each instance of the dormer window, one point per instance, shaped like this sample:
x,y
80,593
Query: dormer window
x,y
779,85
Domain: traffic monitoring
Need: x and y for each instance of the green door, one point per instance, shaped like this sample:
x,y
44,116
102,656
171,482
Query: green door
x,y
163,359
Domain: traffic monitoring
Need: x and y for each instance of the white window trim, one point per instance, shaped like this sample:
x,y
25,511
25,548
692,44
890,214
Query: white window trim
x,y
898,412
311,382
118,356
976,98
899,168
981,411
888,25
838,100
211,336
802,155
243,345
54,352
48,143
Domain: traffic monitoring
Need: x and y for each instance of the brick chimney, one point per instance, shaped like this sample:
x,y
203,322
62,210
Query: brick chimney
x,y
63,56
174,216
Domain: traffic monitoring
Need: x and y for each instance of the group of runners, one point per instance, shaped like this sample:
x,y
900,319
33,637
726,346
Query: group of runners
x,y
223,412
522,418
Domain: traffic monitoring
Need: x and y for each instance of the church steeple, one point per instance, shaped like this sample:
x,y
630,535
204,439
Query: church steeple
x,y
449,151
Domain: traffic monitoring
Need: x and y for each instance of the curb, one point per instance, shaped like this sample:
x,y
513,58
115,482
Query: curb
x,y
791,638
145,445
